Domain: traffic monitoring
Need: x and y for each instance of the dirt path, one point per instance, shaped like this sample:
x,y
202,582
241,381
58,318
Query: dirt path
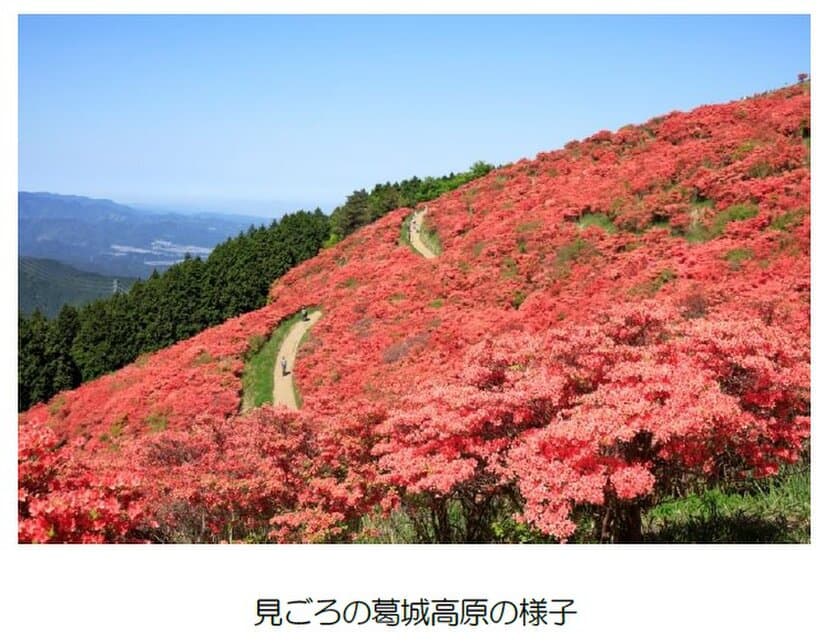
x,y
284,386
414,234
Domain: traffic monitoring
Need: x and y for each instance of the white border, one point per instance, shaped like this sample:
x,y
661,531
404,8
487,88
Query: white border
x,y
657,592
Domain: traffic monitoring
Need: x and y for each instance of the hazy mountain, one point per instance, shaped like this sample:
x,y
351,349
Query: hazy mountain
x,y
241,206
47,285
99,235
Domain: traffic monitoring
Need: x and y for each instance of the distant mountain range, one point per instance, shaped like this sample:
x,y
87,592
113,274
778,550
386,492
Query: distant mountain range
x,y
47,285
101,236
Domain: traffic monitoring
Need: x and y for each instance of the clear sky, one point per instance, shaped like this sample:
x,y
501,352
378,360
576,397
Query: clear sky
x,y
249,114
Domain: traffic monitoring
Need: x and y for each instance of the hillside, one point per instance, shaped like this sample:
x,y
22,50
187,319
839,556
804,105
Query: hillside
x,y
47,285
101,236
195,294
604,325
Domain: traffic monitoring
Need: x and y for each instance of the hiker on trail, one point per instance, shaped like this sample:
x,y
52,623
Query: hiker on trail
x,y
304,314
283,365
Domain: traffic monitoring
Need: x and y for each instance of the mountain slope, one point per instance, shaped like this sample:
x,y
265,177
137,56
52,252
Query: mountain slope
x,y
98,235
47,285
605,323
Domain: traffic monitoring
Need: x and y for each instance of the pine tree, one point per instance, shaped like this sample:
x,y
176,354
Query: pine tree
x,y
352,215
60,336
33,382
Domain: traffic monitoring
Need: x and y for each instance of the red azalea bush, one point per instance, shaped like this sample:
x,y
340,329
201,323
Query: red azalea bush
x,y
606,323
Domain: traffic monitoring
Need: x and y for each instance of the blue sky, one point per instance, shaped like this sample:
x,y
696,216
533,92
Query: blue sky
x,y
259,114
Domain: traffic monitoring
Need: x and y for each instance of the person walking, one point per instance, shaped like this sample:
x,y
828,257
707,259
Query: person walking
x,y
283,365
304,314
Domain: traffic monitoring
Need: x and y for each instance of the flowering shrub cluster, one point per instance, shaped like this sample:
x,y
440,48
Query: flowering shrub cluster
x,y
606,323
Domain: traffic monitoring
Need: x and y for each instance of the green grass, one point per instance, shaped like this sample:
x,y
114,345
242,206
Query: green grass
x,y
332,241
569,253
787,220
651,287
597,220
258,378
255,344
761,169
350,283
528,227
665,276
696,231
405,231
737,256
518,298
772,510
734,213
157,421
55,407
659,224
744,148
202,359
115,432
509,267
699,233
431,240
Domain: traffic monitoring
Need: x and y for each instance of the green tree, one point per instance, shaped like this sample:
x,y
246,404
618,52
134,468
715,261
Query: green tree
x,y
32,332
93,348
352,215
60,336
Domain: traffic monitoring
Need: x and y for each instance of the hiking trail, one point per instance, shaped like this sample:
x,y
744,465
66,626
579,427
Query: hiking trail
x,y
414,234
284,386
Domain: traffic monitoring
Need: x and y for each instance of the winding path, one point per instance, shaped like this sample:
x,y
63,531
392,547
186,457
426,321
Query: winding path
x,y
414,234
284,386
